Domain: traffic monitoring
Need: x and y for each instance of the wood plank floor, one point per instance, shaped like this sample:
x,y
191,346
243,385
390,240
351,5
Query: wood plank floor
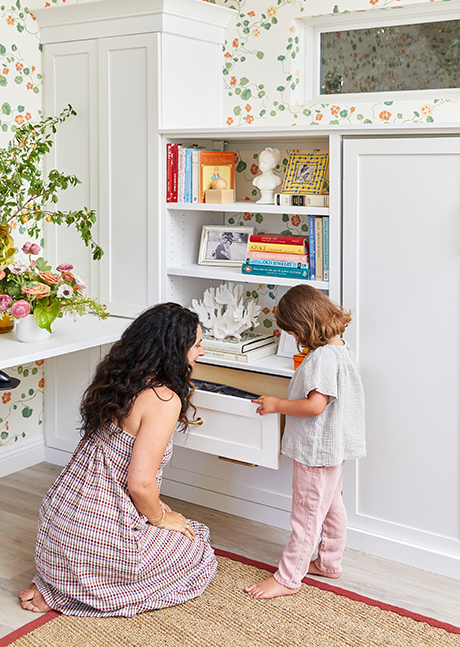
x,y
21,494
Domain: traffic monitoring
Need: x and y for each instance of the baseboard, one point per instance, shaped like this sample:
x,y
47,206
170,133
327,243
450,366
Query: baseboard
x,y
404,553
225,503
57,456
21,455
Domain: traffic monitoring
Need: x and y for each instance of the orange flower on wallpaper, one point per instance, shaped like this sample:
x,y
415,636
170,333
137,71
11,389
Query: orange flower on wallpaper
x,y
246,216
40,362
249,119
19,66
277,333
254,169
30,86
19,119
427,110
227,55
335,110
266,311
229,121
272,11
296,220
41,384
233,80
236,42
10,20
5,70
247,107
251,14
385,115
6,397
256,32
318,117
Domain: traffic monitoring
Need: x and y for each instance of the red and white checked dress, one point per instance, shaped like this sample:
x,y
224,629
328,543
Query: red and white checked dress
x,y
97,556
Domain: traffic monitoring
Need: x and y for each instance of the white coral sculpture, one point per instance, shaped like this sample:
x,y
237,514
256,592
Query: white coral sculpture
x,y
223,312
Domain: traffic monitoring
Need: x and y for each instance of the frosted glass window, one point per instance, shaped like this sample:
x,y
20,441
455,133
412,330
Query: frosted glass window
x,y
394,58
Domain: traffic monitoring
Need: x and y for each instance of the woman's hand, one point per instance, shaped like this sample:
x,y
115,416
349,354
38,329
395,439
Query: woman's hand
x,y
177,521
268,404
164,505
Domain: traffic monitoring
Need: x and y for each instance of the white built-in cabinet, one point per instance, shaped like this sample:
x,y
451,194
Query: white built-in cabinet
x,y
394,260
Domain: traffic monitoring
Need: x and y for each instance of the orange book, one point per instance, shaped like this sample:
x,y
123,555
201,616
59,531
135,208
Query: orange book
x,y
216,164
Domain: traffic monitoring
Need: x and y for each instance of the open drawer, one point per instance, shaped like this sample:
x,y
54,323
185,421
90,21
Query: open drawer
x,y
232,429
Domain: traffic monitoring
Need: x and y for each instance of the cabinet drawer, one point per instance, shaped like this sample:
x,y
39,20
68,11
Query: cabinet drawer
x,y
232,429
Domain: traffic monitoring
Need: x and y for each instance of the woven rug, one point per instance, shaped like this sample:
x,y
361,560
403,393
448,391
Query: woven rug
x,y
320,615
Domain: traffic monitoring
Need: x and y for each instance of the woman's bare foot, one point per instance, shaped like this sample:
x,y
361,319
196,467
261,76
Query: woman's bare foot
x,y
314,570
269,588
33,600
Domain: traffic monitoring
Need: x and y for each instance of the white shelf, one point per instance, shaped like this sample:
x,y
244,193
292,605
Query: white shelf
x,y
68,336
248,207
271,365
234,274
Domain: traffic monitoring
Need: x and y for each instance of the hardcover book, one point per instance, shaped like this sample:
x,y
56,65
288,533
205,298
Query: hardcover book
x,y
305,173
319,247
214,164
277,238
249,356
171,172
311,232
293,258
281,248
274,263
267,270
248,341
301,200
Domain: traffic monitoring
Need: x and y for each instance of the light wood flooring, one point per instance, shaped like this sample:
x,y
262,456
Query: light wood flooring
x,y
21,494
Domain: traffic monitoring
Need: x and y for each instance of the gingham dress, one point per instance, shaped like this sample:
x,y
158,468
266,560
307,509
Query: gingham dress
x,y
97,556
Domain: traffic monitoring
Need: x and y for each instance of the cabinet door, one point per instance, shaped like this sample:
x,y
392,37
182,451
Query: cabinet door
x,y
401,278
66,379
128,109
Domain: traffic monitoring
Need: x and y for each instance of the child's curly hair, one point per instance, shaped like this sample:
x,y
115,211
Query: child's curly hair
x,y
311,316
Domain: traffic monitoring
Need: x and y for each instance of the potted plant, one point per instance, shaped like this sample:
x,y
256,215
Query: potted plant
x,y
28,196
32,290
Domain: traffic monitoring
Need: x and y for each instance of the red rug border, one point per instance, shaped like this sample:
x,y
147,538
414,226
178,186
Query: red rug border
x,y
345,593
50,615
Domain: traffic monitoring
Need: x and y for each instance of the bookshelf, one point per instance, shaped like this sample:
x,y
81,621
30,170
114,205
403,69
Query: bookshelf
x,y
184,279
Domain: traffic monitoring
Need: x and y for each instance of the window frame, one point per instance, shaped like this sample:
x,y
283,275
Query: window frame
x,y
312,27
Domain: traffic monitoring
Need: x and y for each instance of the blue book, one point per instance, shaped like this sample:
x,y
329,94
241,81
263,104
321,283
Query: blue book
x,y
188,175
326,248
267,270
275,263
311,244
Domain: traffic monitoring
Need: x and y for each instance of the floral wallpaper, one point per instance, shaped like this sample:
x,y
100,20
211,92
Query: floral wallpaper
x,y
260,77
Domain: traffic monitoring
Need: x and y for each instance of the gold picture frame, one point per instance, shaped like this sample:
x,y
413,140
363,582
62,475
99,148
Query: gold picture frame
x,y
305,173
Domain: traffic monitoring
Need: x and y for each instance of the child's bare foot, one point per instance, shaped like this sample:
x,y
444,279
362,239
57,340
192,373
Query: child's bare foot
x,y
33,600
314,570
269,588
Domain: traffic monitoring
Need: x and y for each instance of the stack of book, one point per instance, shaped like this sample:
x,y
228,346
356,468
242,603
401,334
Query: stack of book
x,y
301,200
249,347
276,255
190,171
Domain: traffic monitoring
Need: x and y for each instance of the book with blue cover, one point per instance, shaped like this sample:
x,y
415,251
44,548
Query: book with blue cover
x,y
311,242
269,270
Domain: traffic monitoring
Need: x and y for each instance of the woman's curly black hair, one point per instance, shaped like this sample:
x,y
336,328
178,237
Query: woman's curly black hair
x,y
151,352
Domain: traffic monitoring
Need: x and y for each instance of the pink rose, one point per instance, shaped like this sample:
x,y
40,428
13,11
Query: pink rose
x,y
31,248
5,301
64,267
20,309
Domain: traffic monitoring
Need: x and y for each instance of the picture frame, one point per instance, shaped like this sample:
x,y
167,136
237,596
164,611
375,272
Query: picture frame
x,y
287,346
305,173
224,245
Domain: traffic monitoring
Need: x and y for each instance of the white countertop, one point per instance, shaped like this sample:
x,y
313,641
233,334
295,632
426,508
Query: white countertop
x,y
68,336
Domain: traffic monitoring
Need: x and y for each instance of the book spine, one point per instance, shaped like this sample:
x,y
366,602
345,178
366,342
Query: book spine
x,y
180,174
195,176
169,172
234,357
188,175
277,249
326,248
311,240
296,258
301,200
273,263
274,238
319,247
267,270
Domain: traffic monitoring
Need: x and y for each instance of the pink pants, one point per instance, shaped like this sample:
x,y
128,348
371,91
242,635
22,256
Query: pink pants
x,y
317,506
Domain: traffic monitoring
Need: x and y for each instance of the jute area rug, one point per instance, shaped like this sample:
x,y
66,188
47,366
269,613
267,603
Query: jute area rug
x,y
320,615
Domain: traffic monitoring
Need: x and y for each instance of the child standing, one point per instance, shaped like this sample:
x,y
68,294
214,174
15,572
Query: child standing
x,y
324,427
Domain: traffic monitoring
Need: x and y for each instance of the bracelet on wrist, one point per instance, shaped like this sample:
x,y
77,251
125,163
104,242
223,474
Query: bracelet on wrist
x,y
158,520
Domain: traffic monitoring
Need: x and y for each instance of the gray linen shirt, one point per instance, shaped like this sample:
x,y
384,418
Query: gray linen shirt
x,y
338,433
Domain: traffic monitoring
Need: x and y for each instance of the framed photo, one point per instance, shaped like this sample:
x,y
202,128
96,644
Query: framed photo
x,y
305,173
224,245
287,346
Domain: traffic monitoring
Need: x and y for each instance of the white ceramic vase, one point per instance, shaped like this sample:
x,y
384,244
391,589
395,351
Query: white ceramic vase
x,y
28,331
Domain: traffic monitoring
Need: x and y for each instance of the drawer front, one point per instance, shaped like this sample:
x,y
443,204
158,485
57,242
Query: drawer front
x,y
232,429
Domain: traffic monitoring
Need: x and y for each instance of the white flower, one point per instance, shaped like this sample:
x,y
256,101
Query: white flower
x,y
18,268
64,291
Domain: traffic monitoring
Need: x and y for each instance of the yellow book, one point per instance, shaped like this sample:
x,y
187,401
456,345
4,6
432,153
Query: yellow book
x,y
276,249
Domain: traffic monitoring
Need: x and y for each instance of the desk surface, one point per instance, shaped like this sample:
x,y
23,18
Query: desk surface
x,y
68,336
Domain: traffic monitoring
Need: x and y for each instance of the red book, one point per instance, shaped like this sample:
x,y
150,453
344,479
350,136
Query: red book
x,y
171,172
279,240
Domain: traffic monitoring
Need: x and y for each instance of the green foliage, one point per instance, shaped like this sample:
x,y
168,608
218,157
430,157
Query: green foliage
x,y
26,195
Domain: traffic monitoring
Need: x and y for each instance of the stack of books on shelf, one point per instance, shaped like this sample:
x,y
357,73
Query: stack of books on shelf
x,y
277,255
249,347
318,234
301,200
190,171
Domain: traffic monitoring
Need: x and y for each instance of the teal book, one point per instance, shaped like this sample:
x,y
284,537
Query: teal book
x,y
268,270
267,262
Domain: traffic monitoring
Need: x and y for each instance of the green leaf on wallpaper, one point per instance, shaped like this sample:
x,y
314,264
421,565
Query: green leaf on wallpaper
x,y
259,218
31,391
267,25
285,217
261,94
262,112
260,55
280,88
255,294
2,49
430,119
27,412
20,27
271,295
4,435
3,80
241,166
336,9
417,114
237,110
244,81
268,323
246,94
388,103
231,221
6,109
281,58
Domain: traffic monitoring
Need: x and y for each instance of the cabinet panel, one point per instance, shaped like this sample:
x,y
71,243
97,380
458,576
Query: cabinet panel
x,y
231,428
402,281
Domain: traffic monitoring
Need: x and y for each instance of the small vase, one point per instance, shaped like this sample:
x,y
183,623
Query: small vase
x,y
6,324
27,330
